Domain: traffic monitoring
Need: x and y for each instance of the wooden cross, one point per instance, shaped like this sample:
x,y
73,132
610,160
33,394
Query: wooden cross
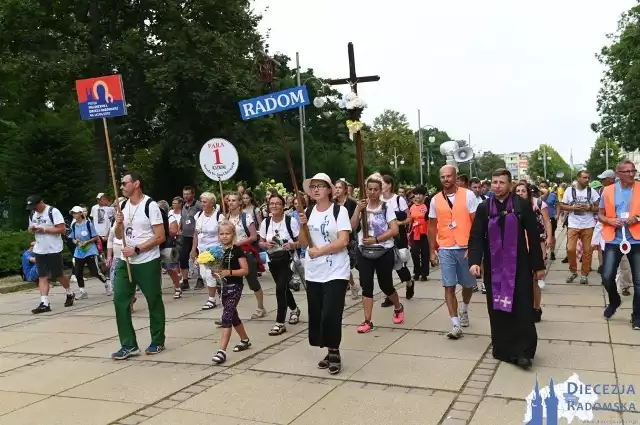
x,y
353,81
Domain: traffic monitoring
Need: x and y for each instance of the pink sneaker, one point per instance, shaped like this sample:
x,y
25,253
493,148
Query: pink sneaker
x,y
398,315
365,327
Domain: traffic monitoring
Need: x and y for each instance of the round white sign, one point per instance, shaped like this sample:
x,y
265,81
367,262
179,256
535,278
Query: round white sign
x,y
219,159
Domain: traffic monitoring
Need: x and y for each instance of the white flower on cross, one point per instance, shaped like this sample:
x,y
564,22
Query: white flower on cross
x,y
352,101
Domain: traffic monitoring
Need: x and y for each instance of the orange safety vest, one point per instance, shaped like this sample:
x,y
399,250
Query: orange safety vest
x,y
609,195
459,235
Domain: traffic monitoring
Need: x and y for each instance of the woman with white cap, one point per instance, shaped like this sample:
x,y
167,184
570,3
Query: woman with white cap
x,y
84,236
326,268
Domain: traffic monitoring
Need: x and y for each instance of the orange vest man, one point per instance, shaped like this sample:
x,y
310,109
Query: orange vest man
x,y
620,217
450,216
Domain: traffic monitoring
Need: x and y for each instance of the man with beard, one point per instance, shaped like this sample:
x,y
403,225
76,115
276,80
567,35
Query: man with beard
x,y
505,234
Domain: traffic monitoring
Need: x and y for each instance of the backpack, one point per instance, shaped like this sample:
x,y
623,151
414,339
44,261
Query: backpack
x,y
287,223
169,242
73,229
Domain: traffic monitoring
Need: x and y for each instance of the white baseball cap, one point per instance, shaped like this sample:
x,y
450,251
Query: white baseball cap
x,y
76,210
100,195
608,174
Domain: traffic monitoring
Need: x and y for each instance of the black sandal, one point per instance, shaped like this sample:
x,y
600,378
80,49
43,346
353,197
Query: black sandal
x,y
243,345
324,363
220,357
335,363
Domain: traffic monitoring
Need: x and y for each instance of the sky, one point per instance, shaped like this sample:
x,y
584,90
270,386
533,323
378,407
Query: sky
x,y
509,74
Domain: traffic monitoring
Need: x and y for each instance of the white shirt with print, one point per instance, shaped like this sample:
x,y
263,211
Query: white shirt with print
x,y
472,206
138,229
378,223
207,229
102,218
241,232
47,243
324,230
280,229
392,203
583,219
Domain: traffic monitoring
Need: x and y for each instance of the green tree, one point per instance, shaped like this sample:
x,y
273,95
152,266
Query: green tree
x,y
597,161
619,96
432,159
555,164
391,135
485,163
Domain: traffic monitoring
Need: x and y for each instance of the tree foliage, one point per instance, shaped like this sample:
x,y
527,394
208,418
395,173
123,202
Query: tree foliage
x,y
597,161
184,66
391,135
485,163
555,164
619,96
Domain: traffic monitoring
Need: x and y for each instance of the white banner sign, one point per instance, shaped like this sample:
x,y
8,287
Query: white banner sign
x,y
219,159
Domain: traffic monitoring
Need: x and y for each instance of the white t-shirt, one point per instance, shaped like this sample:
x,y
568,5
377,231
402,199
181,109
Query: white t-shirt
x,y
324,230
279,229
207,229
378,223
47,243
138,229
392,203
102,218
582,219
174,216
472,206
241,232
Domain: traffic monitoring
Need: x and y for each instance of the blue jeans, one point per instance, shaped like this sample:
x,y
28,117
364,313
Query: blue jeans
x,y
612,257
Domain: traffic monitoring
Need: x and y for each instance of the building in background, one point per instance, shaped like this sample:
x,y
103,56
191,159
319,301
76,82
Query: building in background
x,y
518,164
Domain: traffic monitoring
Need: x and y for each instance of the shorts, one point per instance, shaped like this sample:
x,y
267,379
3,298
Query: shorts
x,y
50,265
554,224
455,268
207,275
171,266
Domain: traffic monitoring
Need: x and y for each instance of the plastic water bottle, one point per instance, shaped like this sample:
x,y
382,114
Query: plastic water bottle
x,y
541,283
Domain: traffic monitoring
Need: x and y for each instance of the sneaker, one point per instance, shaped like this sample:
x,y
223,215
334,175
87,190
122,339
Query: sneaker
x,y
365,327
154,349
584,280
636,325
177,294
537,315
565,260
464,319
611,310
398,315
125,352
185,285
424,278
553,256
475,288
42,308
411,289
455,333
571,277
626,292
108,289
484,289
70,299
199,284
355,292
82,295
386,302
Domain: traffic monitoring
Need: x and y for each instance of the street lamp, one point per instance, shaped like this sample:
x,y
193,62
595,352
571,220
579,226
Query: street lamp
x,y
605,153
428,161
431,139
544,158
395,159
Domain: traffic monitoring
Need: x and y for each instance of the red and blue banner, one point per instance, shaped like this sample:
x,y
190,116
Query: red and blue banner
x,y
101,97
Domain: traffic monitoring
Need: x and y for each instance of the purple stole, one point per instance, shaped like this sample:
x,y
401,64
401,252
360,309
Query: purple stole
x,y
504,254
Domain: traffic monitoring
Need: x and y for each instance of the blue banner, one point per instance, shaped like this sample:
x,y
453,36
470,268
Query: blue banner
x,y
275,102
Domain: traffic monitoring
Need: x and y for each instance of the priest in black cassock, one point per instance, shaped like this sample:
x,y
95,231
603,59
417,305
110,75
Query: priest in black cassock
x,y
504,233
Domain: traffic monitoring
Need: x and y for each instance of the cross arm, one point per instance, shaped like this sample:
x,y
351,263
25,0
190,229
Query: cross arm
x,y
339,81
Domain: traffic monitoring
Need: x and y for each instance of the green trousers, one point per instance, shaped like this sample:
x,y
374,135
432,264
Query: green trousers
x,y
148,277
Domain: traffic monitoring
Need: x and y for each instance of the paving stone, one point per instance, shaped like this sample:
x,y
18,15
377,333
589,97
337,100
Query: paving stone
x,y
459,414
460,405
181,396
150,411
469,398
133,420
476,384
166,404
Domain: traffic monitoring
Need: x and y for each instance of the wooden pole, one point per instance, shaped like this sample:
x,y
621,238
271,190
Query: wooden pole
x,y
115,190
224,207
361,184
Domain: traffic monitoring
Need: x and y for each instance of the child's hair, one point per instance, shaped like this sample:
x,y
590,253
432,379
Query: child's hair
x,y
228,225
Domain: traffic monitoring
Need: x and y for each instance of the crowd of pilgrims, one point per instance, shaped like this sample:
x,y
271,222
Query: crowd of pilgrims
x,y
490,236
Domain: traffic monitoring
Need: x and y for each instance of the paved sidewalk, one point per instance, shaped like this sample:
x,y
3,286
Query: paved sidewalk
x,y
55,368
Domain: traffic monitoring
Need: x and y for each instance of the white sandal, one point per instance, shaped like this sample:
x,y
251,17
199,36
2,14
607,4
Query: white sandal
x,y
294,317
209,305
259,313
